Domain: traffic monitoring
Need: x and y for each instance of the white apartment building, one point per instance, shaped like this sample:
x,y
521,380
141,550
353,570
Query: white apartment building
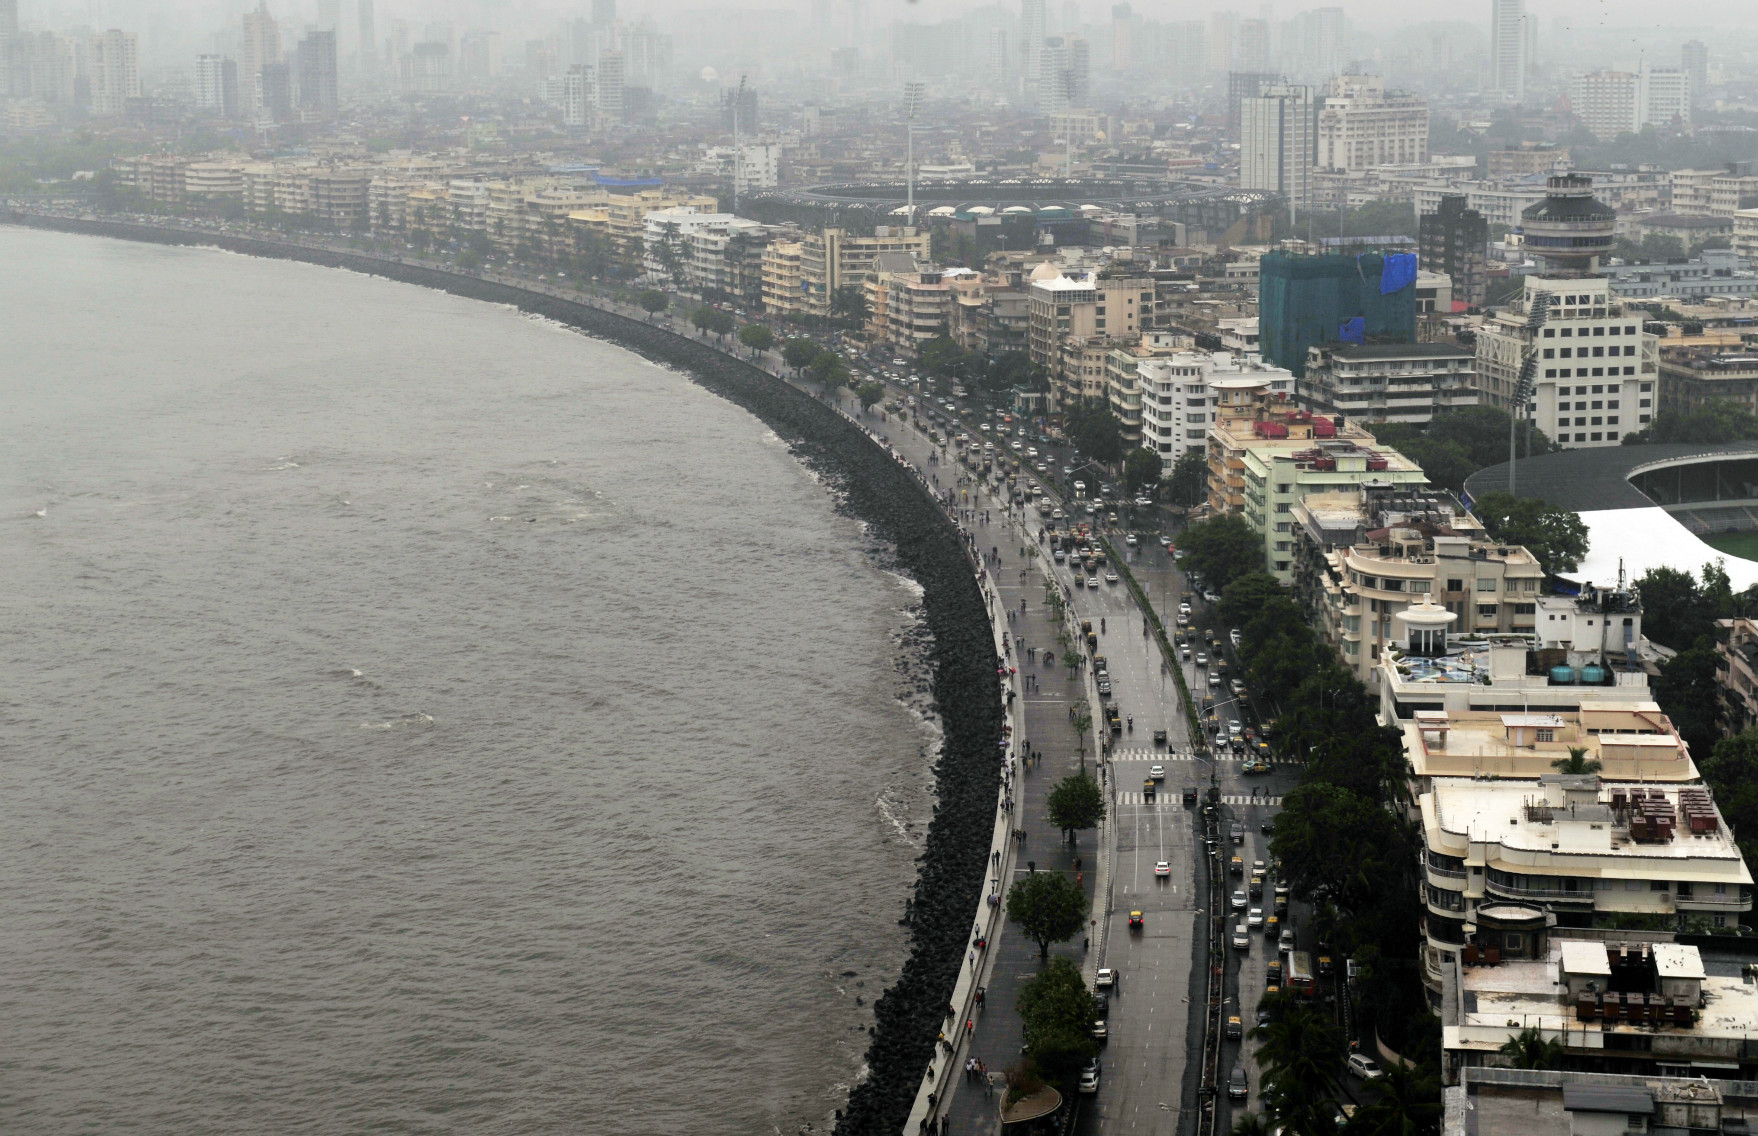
x,y
753,165
1499,204
1177,404
1580,396
697,243
1276,141
1508,54
1392,382
1362,126
1505,859
1610,103
115,76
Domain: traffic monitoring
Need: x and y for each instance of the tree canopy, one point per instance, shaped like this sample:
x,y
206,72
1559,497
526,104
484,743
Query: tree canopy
x,y
1095,432
653,300
1222,548
757,336
829,369
869,393
1076,803
1057,1011
1189,483
1555,536
1141,469
1716,420
1049,907
1457,443
798,352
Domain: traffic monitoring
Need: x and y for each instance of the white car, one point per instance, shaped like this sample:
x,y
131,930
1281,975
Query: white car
x,y
1255,917
1105,979
1365,1067
1089,1079
1056,515
1092,581
1162,869
1240,901
1132,540
1092,509
1157,772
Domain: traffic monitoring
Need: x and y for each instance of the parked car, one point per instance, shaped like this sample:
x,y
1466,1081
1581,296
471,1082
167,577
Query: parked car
x,y
1365,1067
1105,979
1238,1088
1089,1078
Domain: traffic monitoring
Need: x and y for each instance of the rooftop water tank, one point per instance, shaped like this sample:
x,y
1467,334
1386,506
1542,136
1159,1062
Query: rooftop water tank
x,y
1562,676
1593,674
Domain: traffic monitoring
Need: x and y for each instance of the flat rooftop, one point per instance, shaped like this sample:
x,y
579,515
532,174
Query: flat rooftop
x,y
1633,741
1549,824
1499,1001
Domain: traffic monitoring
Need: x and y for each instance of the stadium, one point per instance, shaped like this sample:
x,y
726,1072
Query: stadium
x,y
1678,504
1048,201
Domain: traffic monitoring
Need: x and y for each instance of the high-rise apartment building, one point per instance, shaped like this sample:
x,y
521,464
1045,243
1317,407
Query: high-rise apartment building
x,y
1252,53
1033,27
1223,27
578,95
210,83
1664,96
997,60
276,84
115,72
260,47
316,60
1062,73
368,40
1454,240
1363,125
611,84
1276,141
1610,103
1508,48
1694,58
1242,85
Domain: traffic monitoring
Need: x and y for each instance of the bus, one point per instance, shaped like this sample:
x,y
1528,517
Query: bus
x,y
1300,972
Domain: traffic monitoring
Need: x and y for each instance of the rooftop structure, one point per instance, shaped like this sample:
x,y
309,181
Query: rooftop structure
x,y
1355,297
1556,1102
1569,229
1660,1007
1388,382
1632,741
1505,862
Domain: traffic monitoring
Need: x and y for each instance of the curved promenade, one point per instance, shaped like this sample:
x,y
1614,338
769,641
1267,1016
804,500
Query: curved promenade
x,y
935,986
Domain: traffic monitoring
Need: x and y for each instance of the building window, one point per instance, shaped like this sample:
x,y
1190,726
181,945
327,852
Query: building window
x,y
1486,585
1455,585
1486,611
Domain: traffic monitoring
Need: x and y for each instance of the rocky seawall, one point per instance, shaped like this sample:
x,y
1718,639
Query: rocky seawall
x,y
951,874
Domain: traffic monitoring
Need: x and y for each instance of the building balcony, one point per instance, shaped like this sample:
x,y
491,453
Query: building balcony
x,y
1548,894
1739,901
1444,874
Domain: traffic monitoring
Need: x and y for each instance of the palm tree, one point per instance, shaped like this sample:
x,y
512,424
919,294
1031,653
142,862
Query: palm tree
x,y
1408,1104
1576,763
1301,1054
1252,1124
1529,1049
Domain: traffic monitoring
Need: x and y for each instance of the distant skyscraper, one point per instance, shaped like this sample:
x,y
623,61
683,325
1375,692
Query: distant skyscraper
x,y
1276,141
1033,27
611,82
210,83
579,89
998,58
276,83
1222,29
604,12
1254,46
1507,48
368,41
260,47
1325,48
1694,56
1242,85
1122,36
115,72
8,17
11,51
317,72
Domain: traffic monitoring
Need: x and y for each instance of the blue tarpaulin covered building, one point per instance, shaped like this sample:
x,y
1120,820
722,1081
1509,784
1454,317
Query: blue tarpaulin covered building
x,y
1304,301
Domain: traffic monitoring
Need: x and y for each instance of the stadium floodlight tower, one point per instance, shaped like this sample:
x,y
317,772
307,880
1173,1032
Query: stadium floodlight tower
x,y
912,103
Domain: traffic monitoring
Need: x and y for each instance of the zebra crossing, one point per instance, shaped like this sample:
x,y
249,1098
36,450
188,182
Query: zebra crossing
x,y
1172,797
1158,757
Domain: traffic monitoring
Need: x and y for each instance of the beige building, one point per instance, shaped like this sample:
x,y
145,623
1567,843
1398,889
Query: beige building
x,y
1362,125
1736,670
1069,316
1507,861
833,259
781,277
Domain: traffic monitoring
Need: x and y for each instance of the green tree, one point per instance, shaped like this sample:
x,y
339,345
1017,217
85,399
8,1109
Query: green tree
x,y
870,393
1407,1102
1222,548
1731,772
1189,483
1096,433
829,369
653,301
757,337
668,251
1057,1012
1577,763
1253,1124
1244,597
799,352
1076,803
1715,421
1014,369
1302,1057
719,322
1336,846
1141,467
702,317
1529,1049
1689,693
849,305
1049,907
1555,536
